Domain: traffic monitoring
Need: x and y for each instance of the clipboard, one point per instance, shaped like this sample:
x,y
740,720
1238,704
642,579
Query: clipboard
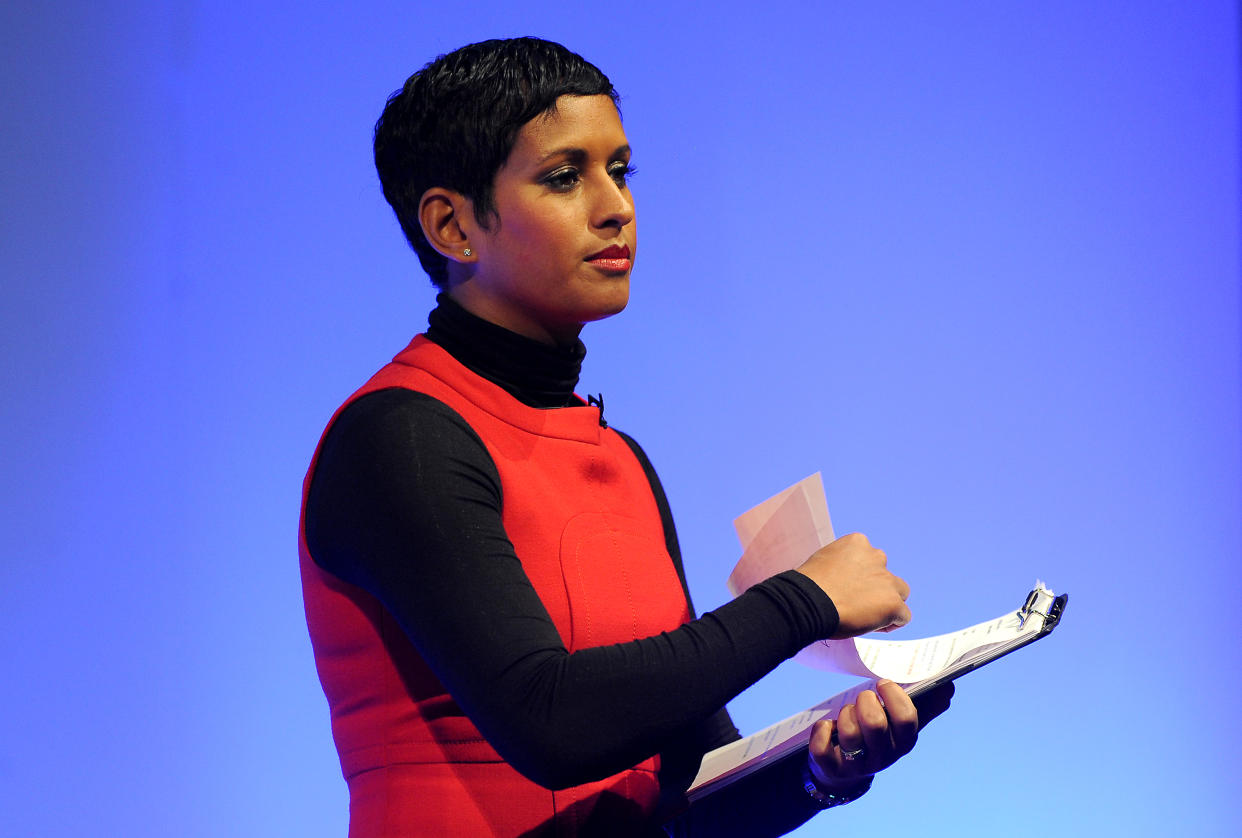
x,y
1040,604
788,739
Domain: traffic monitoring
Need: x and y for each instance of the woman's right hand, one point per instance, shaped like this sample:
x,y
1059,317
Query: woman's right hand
x,y
855,577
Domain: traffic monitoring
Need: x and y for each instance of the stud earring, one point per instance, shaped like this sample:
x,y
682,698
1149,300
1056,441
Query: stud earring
x,y
467,252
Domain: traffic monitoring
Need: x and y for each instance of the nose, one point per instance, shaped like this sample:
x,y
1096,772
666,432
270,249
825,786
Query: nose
x,y
614,206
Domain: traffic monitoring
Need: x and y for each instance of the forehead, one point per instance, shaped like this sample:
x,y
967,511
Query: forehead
x,y
588,123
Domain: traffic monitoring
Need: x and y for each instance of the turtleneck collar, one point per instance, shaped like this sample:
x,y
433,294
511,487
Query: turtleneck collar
x,y
534,373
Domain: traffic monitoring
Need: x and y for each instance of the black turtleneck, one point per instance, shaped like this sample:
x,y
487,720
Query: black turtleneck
x,y
400,472
534,373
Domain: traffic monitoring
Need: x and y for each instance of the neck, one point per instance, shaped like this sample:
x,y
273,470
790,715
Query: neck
x,y
536,373
485,308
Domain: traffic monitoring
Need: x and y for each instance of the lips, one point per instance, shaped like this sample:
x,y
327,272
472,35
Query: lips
x,y
615,251
612,259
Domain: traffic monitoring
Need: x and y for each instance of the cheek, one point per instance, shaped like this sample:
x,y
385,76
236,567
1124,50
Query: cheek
x,y
544,235
537,238
555,228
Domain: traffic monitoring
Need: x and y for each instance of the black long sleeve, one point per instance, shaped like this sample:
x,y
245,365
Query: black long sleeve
x,y
406,503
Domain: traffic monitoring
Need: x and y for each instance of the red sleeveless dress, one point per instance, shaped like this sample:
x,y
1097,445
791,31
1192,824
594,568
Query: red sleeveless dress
x,y
580,513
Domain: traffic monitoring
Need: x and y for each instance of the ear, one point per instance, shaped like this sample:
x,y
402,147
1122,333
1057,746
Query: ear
x,y
447,219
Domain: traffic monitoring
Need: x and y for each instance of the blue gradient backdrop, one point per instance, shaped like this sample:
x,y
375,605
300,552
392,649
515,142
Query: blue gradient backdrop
x,y
977,262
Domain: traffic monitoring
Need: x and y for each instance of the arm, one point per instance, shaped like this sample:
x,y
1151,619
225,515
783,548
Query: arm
x,y
771,802
406,504
775,801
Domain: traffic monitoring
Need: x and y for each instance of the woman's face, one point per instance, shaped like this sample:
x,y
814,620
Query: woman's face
x,y
559,250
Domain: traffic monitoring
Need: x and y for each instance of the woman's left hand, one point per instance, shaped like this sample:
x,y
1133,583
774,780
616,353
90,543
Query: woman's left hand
x,y
869,736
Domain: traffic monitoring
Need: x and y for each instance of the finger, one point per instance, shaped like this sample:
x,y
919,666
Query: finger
x,y
873,722
903,590
825,762
849,736
934,702
901,617
903,716
821,739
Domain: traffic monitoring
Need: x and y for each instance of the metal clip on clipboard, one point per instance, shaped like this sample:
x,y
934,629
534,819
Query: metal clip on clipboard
x,y
1042,602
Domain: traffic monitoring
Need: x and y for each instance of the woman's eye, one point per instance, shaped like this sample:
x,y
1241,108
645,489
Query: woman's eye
x,y
621,173
563,180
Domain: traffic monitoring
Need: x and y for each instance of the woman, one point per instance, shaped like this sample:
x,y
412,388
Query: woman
x,y
492,580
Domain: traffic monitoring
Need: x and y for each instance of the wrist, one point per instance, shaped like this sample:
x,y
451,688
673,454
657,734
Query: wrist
x,y
831,792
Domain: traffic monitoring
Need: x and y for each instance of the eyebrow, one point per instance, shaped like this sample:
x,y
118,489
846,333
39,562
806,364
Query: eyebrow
x,y
577,155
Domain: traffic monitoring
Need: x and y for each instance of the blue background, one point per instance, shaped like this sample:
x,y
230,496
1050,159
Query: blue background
x,y
977,262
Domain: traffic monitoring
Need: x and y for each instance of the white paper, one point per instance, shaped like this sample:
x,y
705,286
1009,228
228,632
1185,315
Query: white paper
x,y
782,532
957,649
908,661
773,741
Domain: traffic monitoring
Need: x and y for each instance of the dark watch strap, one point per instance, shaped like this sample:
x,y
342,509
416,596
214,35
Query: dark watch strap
x,y
828,799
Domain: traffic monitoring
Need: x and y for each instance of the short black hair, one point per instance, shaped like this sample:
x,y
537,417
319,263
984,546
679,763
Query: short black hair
x,y
454,122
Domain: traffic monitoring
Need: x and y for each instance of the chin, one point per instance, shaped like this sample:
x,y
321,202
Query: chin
x,y
609,308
